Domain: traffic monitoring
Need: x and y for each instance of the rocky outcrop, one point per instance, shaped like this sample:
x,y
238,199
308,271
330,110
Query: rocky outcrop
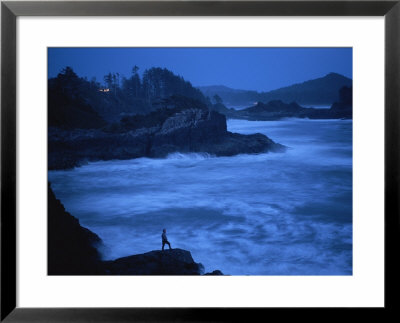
x,y
275,110
166,262
191,130
72,249
68,149
195,129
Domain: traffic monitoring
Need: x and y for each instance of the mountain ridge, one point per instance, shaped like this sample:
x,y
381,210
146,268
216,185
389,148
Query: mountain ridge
x,y
318,91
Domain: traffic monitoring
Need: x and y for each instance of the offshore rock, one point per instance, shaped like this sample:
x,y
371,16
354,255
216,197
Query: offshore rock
x,y
276,109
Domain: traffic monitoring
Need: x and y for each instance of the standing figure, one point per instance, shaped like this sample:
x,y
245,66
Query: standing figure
x,y
165,239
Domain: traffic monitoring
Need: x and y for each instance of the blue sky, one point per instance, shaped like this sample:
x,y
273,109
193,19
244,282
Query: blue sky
x,y
260,69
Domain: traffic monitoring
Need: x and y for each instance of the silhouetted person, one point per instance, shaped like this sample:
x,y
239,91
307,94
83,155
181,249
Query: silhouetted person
x,y
165,239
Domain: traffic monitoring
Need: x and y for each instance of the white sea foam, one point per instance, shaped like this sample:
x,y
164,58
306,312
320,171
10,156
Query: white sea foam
x,y
266,214
195,156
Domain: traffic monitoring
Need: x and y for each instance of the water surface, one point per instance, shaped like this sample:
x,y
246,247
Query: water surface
x,y
266,214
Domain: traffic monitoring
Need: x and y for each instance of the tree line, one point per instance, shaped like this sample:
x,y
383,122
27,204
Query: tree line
x,y
118,96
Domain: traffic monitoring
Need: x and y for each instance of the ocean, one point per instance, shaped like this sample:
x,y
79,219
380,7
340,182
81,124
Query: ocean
x,y
284,213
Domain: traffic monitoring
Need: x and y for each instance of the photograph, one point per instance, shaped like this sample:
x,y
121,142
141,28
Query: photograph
x,y
223,161
168,161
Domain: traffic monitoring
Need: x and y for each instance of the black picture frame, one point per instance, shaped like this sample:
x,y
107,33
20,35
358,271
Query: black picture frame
x,y
10,10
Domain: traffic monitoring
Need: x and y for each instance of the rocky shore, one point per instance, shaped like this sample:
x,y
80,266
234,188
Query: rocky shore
x,y
195,129
73,250
276,109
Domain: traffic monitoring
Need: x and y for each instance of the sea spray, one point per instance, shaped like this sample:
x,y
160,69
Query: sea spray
x,y
261,214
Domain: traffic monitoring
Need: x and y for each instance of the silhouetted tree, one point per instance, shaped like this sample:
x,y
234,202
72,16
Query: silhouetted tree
x,y
69,103
136,81
133,95
108,79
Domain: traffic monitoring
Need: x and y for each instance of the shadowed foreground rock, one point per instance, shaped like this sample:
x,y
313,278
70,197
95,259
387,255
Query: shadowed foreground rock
x,y
167,262
72,249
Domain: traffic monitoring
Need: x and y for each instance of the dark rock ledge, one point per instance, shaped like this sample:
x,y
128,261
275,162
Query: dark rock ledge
x,y
156,262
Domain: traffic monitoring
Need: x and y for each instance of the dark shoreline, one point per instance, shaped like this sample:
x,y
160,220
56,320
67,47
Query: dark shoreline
x,y
73,250
187,131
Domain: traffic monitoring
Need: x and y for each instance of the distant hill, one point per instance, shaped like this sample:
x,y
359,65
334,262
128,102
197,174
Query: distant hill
x,y
320,91
231,97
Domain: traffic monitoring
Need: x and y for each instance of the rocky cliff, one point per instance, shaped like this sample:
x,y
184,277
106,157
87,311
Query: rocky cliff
x,y
178,129
72,249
